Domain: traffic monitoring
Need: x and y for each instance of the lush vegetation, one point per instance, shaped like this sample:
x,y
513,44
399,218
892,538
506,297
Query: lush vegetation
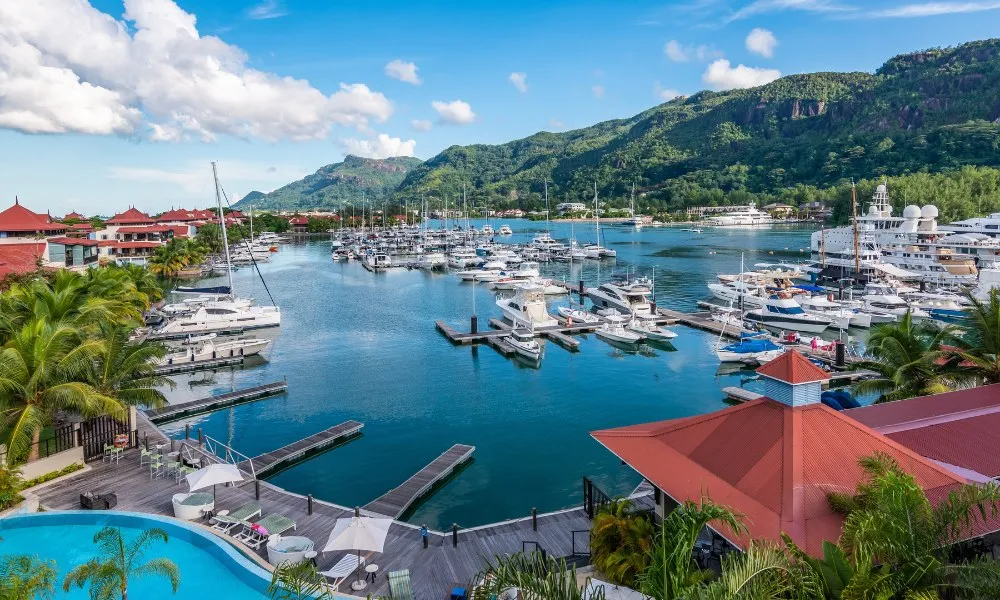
x,y
621,542
335,185
927,120
177,254
298,581
119,560
26,578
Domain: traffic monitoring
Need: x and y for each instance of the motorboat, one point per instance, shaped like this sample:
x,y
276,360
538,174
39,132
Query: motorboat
x,y
651,330
751,348
735,291
377,261
524,343
219,290
463,259
343,254
431,261
487,229
613,329
505,230
940,306
577,315
840,316
632,300
480,274
781,312
190,305
211,350
222,316
527,308
549,286
882,298
192,340
693,229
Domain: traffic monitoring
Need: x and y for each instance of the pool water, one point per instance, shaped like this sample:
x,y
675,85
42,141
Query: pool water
x,y
207,565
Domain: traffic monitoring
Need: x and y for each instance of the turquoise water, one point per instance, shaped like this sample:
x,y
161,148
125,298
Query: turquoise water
x,y
354,345
205,564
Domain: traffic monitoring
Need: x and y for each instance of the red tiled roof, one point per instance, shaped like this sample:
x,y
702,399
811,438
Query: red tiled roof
x,y
145,229
180,230
106,243
791,367
183,215
132,216
18,218
74,215
68,241
773,463
81,227
20,258
298,221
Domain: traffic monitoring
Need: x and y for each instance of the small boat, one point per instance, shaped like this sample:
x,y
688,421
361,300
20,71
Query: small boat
x,y
751,348
506,230
614,330
651,330
577,315
211,351
693,229
781,312
220,290
524,343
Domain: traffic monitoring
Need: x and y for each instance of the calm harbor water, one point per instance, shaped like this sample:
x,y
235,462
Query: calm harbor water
x,y
354,345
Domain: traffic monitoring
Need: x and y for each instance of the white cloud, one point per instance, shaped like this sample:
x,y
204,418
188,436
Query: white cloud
x,y
195,178
403,71
767,6
721,75
455,112
675,51
665,94
520,81
381,146
930,9
556,124
421,124
598,91
268,9
761,41
68,67
678,52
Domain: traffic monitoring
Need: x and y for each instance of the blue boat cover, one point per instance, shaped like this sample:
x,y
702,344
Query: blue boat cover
x,y
748,346
810,288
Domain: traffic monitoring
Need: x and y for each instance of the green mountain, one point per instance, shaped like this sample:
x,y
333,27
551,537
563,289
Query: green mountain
x,y
932,111
335,184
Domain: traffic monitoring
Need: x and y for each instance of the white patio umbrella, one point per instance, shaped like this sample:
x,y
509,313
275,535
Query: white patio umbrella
x,y
358,533
213,474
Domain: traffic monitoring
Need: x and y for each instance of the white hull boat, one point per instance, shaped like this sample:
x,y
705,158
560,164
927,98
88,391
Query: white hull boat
x,y
211,351
527,308
651,331
223,317
524,343
614,330
577,315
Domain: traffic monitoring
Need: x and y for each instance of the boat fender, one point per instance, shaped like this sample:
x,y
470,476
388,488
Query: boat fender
x,y
830,401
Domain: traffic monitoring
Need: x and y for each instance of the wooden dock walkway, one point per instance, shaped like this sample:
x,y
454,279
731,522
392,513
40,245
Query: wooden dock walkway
x,y
172,412
396,501
187,367
276,460
180,335
702,320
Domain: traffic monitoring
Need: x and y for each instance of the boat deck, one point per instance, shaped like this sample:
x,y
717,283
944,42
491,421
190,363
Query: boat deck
x,y
397,501
270,462
173,412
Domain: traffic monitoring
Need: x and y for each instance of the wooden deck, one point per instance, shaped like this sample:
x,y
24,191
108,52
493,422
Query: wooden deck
x,y
398,500
270,462
173,412
433,570
701,320
188,367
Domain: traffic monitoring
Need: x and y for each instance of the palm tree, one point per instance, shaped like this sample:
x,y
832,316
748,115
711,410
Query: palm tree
x,y
123,369
763,571
37,369
620,542
167,261
538,577
118,561
672,571
26,578
909,360
898,540
144,281
978,350
298,581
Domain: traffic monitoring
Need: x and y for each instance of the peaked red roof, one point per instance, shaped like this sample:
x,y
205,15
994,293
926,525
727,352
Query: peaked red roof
x,y
184,215
791,367
68,241
20,219
298,221
74,215
20,258
132,216
773,463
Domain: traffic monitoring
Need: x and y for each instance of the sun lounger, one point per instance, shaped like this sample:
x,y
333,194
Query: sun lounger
x,y
343,569
240,516
399,585
255,534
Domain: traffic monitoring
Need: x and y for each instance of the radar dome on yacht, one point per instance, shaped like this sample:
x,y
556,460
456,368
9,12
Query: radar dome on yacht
x,y
929,212
880,189
873,210
911,212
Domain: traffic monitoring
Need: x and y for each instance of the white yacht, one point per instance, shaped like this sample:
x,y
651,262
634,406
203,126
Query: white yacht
x,y
211,350
577,315
527,308
881,298
430,261
524,343
464,258
632,301
223,316
651,330
614,330
734,291
781,312
988,226
841,317
377,261
741,216
505,230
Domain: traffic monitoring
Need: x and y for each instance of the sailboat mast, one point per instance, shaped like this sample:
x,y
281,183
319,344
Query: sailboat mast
x,y
633,200
548,226
854,210
251,221
222,225
597,219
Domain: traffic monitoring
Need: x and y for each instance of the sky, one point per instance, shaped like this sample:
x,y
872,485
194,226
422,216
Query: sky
x,y
106,104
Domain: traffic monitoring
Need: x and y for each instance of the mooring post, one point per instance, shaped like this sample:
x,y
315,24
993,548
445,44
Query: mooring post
x,y
474,324
201,437
309,502
171,444
581,292
423,535
357,511
534,519
145,440
454,534
256,489
187,431
652,308
841,354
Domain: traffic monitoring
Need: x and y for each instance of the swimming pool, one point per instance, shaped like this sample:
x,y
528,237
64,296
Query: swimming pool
x,y
208,566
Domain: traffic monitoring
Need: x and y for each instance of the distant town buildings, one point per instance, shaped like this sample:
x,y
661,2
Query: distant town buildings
x,y
570,207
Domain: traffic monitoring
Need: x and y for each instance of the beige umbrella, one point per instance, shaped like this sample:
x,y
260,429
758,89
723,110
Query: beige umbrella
x,y
359,533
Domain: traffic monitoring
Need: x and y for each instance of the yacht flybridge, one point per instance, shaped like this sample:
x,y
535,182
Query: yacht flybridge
x,y
527,308
631,300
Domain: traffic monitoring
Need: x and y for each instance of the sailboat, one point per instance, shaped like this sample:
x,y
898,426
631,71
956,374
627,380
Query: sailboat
x,y
751,348
596,251
636,221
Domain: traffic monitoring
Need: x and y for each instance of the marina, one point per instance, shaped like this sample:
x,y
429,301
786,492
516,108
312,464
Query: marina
x,y
271,462
215,402
398,500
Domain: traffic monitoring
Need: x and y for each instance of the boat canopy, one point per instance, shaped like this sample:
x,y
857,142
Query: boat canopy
x,y
751,345
895,271
810,288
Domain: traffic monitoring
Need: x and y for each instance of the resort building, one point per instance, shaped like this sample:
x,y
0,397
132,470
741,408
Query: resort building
x,y
776,459
19,223
299,224
570,207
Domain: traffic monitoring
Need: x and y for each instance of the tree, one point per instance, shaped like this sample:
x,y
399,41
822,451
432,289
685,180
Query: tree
x,y
119,561
762,572
168,260
898,540
37,369
672,572
298,581
538,577
123,369
909,360
26,578
978,350
620,542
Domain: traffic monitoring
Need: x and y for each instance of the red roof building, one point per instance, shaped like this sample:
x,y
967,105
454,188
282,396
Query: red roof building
x,y
74,215
21,258
18,221
132,216
774,459
181,215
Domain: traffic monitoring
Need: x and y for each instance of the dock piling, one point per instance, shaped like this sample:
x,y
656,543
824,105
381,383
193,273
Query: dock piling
x,y
256,489
581,292
309,504
201,437
474,325
534,519
187,431
423,535
454,535
841,354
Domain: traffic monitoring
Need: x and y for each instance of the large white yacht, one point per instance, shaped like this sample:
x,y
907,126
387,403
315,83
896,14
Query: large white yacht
x,y
742,216
784,313
223,316
632,300
527,308
212,350
989,226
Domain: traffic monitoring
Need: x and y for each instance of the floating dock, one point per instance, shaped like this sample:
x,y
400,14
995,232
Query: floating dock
x,y
199,365
276,460
216,402
180,335
396,501
702,320
740,395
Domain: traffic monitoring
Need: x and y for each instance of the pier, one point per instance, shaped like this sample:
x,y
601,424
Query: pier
x,y
702,320
181,335
395,502
173,412
282,458
199,365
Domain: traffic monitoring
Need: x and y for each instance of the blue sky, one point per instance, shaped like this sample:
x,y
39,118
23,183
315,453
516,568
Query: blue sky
x,y
107,115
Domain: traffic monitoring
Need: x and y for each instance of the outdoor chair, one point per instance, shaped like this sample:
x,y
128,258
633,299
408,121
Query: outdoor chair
x,y
399,585
156,466
254,535
241,516
92,501
345,567
183,472
145,455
